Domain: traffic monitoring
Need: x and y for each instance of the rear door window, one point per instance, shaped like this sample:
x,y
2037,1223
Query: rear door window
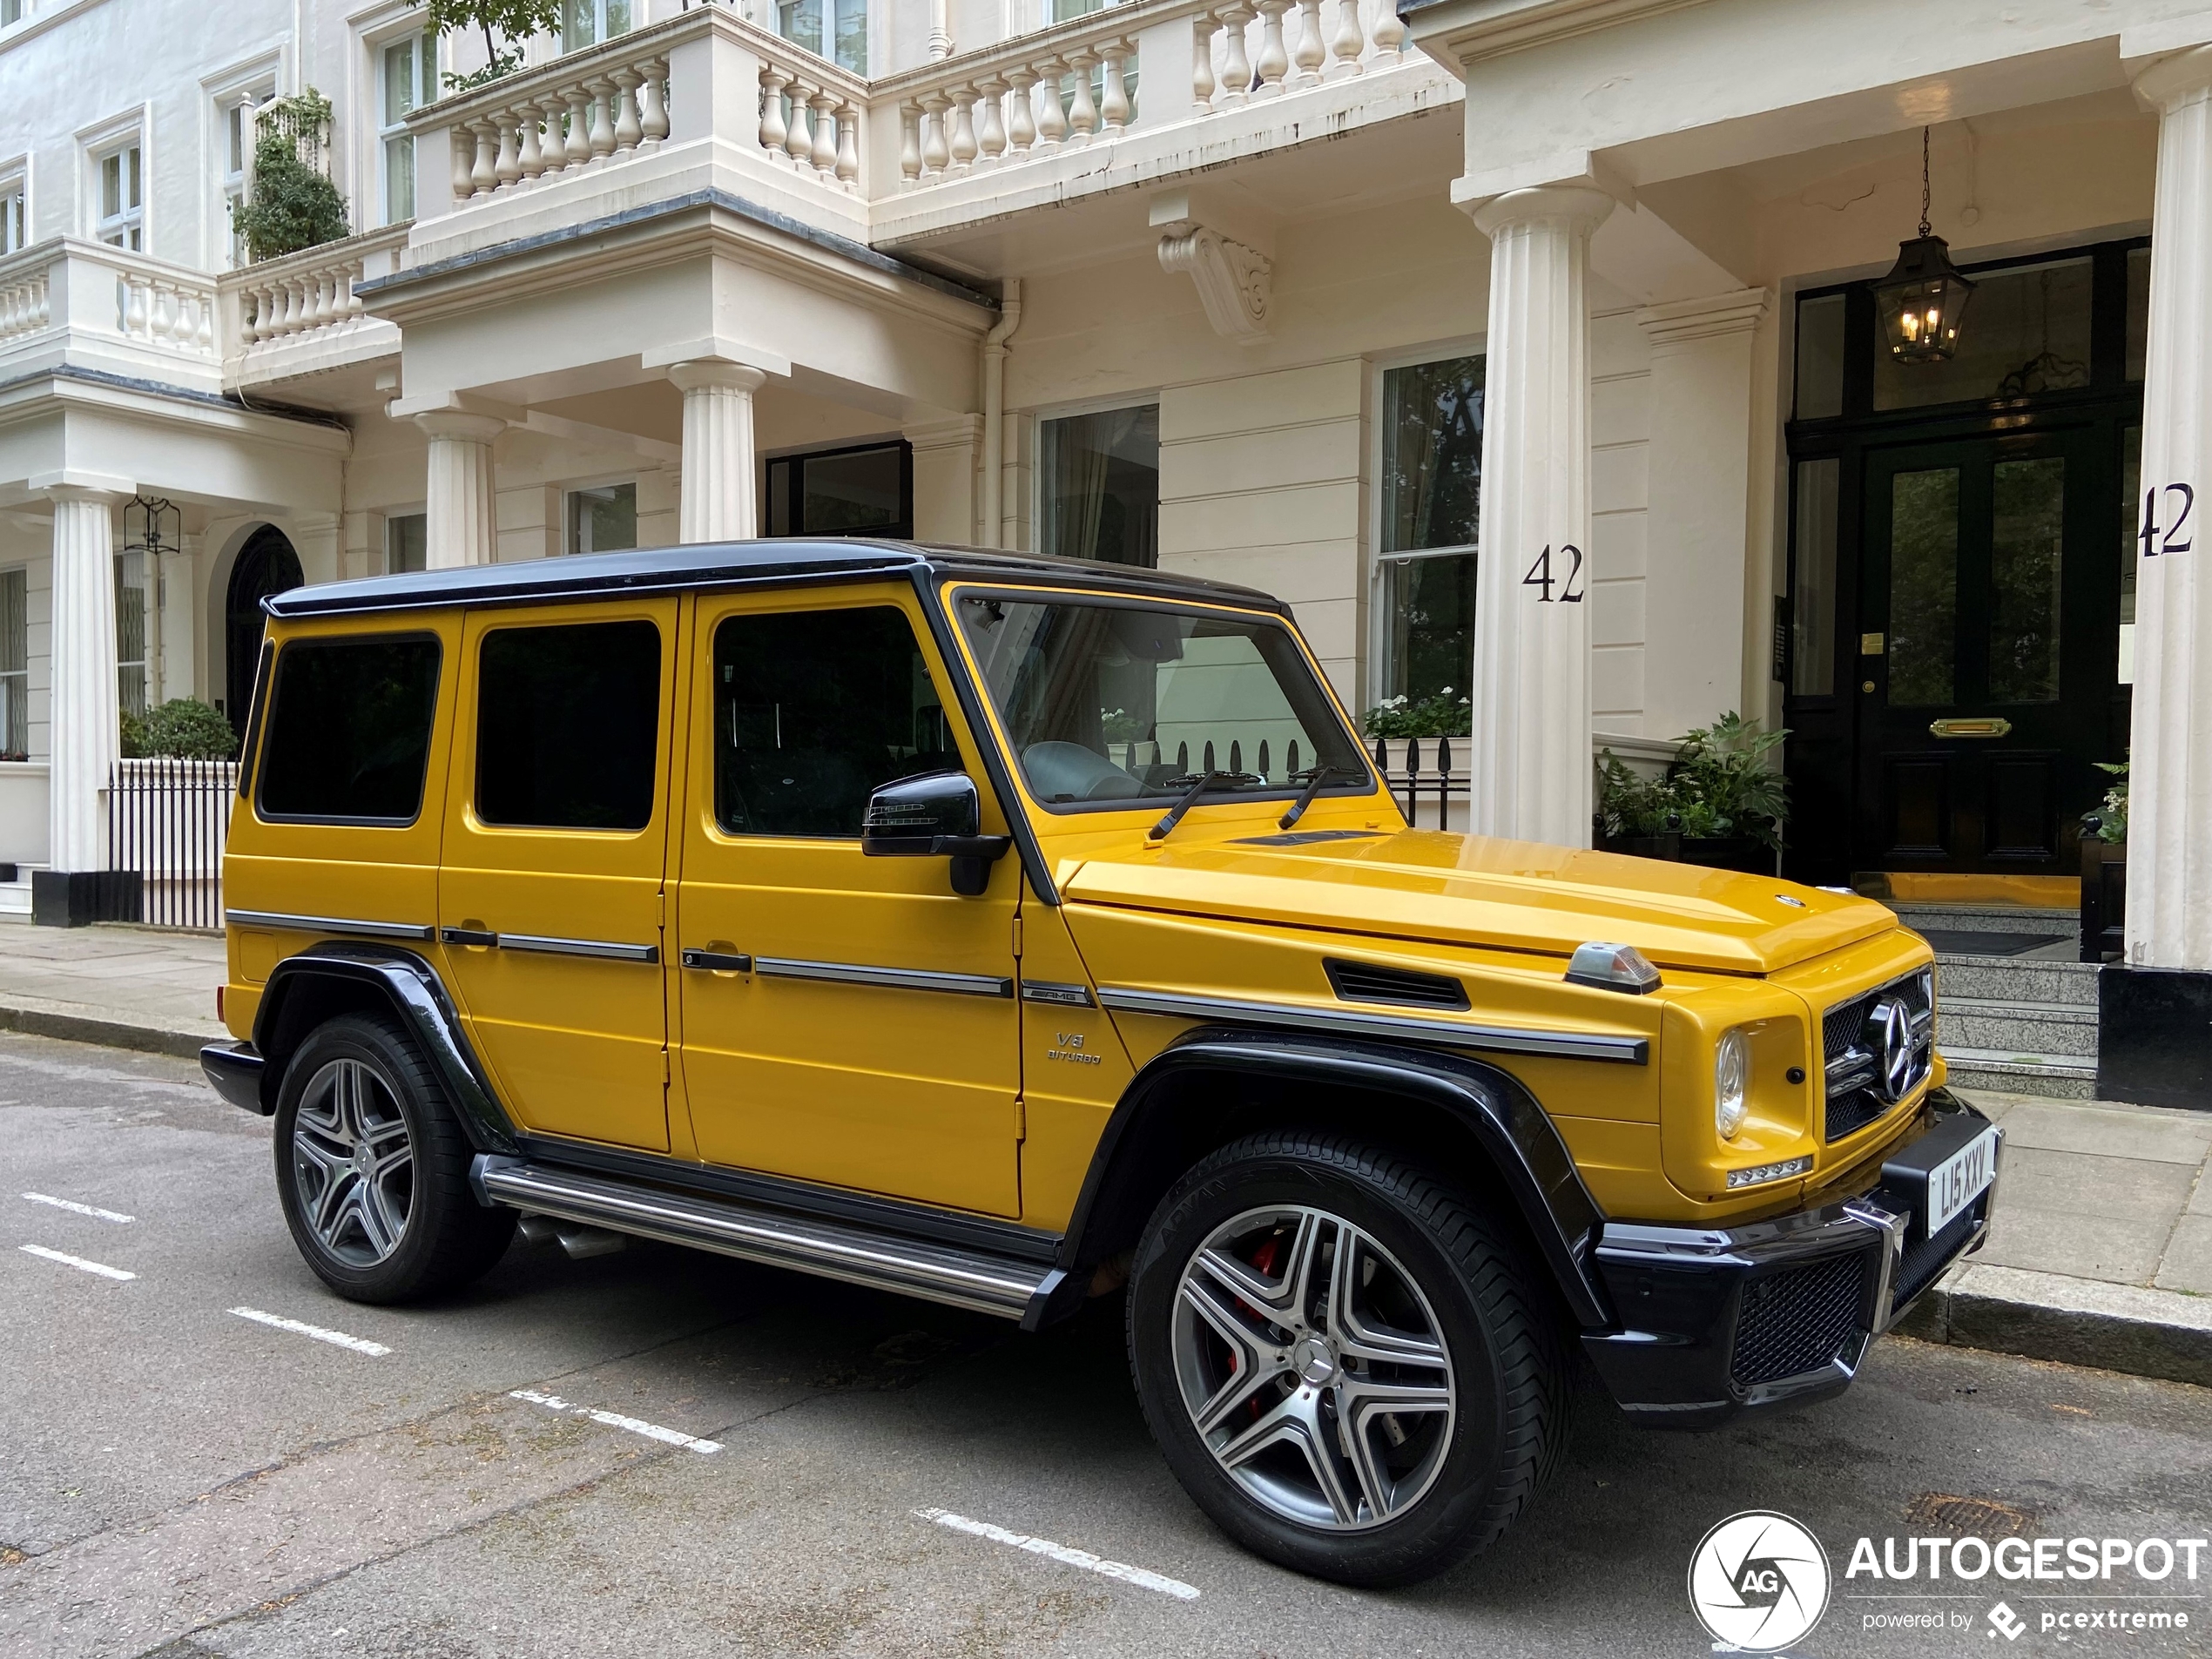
x,y
349,725
568,726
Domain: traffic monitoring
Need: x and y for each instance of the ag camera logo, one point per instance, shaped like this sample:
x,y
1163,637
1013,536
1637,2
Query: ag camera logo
x,y
1758,1582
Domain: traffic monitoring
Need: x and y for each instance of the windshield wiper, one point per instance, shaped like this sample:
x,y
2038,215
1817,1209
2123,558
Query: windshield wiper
x,y
1199,784
1314,779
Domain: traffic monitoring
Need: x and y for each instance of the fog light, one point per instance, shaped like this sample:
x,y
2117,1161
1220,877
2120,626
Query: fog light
x,y
1731,1067
1759,1174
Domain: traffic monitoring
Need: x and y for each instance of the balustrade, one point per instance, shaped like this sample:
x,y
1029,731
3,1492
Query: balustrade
x,y
1068,93
312,291
1261,48
24,306
598,107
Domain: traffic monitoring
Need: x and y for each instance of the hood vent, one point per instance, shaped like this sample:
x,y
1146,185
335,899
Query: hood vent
x,y
1369,982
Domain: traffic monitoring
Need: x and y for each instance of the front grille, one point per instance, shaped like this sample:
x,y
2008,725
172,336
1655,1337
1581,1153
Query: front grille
x,y
1859,1087
1371,983
1923,1261
1797,1320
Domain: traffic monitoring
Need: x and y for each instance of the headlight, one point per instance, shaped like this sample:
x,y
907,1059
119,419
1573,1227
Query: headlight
x,y
1731,1067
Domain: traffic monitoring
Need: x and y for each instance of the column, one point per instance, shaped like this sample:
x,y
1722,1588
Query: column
x,y
719,498
84,736
2169,852
459,527
947,460
1531,679
1696,562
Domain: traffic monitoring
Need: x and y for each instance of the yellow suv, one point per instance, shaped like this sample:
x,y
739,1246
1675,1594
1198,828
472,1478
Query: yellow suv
x,y
1001,930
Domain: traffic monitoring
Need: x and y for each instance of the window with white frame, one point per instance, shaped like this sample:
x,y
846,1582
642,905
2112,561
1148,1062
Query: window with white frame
x,y
603,518
1430,488
10,11
15,665
837,29
406,543
133,634
237,109
15,215
586,22
407,73
118,185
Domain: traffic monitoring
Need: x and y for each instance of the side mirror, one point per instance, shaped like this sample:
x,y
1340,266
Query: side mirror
x,y
938,814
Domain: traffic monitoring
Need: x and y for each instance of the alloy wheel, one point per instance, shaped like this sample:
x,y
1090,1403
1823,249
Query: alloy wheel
x,y
1313,1367
353,1161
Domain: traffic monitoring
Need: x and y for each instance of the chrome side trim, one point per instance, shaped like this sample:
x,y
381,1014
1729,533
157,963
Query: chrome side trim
x,y
328,925
1066,996
965,1278
605,950
902,979
1568,1045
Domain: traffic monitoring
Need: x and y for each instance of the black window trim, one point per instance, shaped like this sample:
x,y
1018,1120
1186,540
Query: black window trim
x,y
430,748
958,590
901,530
662,721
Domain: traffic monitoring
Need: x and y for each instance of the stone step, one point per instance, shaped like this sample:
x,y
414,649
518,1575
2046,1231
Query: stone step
x,y
2010,979
15,898
1990,919
2054,1076
1986,1025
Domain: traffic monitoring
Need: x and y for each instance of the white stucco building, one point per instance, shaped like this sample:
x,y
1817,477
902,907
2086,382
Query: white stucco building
x,y
1261,290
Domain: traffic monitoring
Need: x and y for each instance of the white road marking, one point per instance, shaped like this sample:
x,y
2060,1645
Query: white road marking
x,y
1142,1577
78,1262
77,1209
359,1344
615,1420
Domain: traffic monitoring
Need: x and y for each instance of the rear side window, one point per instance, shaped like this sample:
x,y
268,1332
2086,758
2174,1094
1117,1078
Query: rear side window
x,y
568,726
349,730
813,709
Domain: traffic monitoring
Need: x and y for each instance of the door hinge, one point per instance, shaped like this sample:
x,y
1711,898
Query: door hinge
x,y
663,897
1021,1119
665,1077
1017,935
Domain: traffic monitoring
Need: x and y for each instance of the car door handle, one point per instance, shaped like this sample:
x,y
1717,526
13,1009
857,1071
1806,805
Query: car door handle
x,y
717,961
469,936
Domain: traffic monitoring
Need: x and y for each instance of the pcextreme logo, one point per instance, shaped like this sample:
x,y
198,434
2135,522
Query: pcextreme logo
x,y
1758,1582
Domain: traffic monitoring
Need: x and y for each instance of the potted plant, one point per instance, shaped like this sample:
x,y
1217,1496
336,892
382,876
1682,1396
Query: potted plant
x,y
1719,804
2104,871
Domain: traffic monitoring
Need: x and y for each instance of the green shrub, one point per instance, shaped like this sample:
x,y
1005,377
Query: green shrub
x,y
291,207
181,728
516,19
1719,785
2114,826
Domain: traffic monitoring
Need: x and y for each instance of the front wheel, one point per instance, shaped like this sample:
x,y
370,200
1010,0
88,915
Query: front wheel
x,y
372,1168
1351,1369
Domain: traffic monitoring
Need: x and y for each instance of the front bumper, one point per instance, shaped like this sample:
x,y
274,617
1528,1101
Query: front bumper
x,y
1715,1321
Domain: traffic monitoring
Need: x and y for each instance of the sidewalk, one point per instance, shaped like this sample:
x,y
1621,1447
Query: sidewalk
x,y
2101,1254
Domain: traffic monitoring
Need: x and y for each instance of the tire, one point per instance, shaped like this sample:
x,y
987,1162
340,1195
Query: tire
x,y
372,1168
1448,1360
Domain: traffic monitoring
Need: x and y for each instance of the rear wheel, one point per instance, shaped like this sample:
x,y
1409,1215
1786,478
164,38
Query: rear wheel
x,y
1352,1370
372,1168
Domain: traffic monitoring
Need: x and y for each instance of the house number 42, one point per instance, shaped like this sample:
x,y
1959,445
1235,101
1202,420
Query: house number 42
x,y
1570,585
2155,540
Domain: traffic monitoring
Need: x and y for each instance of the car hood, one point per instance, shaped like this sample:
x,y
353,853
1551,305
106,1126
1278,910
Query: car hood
x,y
1473,890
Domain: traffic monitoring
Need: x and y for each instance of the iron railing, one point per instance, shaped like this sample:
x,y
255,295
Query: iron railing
x,y
1413,784
168,821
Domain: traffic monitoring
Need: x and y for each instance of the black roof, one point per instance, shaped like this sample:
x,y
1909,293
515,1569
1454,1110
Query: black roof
x,y
731,565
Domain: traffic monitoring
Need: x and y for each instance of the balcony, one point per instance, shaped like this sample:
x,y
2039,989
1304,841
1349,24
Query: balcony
x,y
297,320
1138,94
72,304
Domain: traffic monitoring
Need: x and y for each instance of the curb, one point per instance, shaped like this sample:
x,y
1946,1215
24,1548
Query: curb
x,y
2075,1321
113,1034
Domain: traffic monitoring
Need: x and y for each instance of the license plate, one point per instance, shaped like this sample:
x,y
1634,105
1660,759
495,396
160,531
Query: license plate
x,y
1954,1183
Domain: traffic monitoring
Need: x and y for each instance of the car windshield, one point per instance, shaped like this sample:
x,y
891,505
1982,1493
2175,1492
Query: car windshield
x,y
1111,702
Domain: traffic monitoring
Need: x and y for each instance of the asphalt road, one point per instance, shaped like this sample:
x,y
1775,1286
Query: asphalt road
x,y
177,1477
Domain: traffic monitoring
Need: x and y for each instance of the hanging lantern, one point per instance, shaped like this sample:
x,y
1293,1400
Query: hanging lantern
x,y
157,523
1923,301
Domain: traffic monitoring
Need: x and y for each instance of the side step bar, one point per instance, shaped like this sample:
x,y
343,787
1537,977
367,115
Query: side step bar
x,y
965,1278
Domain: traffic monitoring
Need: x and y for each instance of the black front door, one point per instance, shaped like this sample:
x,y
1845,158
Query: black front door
x,y
1986,650
265,565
